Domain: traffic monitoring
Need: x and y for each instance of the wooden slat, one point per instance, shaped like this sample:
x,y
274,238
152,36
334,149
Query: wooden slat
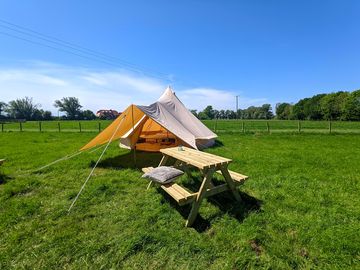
x,y
185,155
215,190
208,155
236,176
196,158
180,194
187,160
199,156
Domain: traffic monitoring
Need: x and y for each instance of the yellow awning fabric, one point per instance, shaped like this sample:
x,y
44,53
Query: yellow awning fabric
x,y
126,120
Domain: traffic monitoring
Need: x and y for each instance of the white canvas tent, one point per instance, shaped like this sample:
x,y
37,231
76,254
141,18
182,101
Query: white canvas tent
x,y
165,123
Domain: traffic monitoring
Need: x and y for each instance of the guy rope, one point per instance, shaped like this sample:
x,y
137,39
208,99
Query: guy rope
x,y
97,162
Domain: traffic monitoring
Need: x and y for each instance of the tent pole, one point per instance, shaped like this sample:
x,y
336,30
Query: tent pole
x,y
132,116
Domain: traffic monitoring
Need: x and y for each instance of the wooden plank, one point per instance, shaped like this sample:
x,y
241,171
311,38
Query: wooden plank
x,y
216,190
2,161
186,159
239,178
196,158
209,155
209,161
180,194
230,183
200,195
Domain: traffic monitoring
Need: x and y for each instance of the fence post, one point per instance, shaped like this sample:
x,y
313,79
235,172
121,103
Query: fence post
x,y
80,126
268,126
2,127
243,126
59,126
216,124
330,126
20,126
39,126
99,126
299,126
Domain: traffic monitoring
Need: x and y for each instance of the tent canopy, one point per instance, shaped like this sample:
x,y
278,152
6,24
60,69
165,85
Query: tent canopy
x,y
165,123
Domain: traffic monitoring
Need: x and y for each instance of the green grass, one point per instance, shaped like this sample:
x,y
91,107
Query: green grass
x,y
289,126
301,207
220,126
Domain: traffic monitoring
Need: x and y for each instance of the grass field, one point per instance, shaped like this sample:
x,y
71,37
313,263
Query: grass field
x,y
219,126
301,207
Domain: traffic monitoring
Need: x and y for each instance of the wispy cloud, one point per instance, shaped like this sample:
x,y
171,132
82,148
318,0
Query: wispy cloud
x,y
97,89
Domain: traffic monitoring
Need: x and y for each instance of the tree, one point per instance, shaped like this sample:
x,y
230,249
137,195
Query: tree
x,y
333,104
209,112
88,115
70,105
351,108
282,110
222,114
216,114
203,116
3,107
22,108
230,114
298,109
194,112
312,107
47,115
265,112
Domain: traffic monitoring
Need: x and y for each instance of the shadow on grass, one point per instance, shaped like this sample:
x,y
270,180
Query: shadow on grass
x,y
4,178
225,201
217,144
127,160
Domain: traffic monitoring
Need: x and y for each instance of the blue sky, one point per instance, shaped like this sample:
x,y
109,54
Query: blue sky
x,y
209,51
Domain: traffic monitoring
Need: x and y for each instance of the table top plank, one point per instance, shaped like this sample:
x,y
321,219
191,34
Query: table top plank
x,y
195,157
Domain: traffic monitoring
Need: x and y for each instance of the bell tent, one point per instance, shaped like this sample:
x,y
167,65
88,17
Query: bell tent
x,y
165,123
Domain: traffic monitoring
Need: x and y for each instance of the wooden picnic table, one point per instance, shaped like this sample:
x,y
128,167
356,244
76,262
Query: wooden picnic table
x,y
2,161
208,164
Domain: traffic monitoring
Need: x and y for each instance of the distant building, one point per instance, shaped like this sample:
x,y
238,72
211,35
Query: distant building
x,y
107,114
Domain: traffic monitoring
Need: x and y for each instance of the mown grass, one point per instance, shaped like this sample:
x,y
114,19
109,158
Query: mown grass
x,y
221,126
301,207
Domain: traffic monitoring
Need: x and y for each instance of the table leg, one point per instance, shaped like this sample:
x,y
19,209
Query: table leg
x,y
230,182
196,204
163,161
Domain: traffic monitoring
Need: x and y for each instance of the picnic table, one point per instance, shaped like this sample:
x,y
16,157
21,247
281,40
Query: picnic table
x,y
1,161
208,164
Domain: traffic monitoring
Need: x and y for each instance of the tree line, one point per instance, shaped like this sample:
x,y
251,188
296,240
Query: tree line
x,y
341,105
252,112
25,108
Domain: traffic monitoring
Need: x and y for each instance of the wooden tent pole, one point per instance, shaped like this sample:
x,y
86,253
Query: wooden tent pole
x,y
132,116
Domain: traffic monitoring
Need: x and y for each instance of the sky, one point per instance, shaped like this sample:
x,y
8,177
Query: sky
x,y
122,52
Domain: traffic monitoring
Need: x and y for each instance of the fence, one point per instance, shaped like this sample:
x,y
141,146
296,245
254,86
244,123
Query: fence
x,y
55,126
270,126
218,126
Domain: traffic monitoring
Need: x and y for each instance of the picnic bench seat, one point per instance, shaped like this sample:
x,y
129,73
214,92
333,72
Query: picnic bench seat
x,y
181,195
237,177
2,161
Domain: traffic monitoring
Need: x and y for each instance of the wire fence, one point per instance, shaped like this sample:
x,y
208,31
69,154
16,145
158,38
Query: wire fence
x,y
218,126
